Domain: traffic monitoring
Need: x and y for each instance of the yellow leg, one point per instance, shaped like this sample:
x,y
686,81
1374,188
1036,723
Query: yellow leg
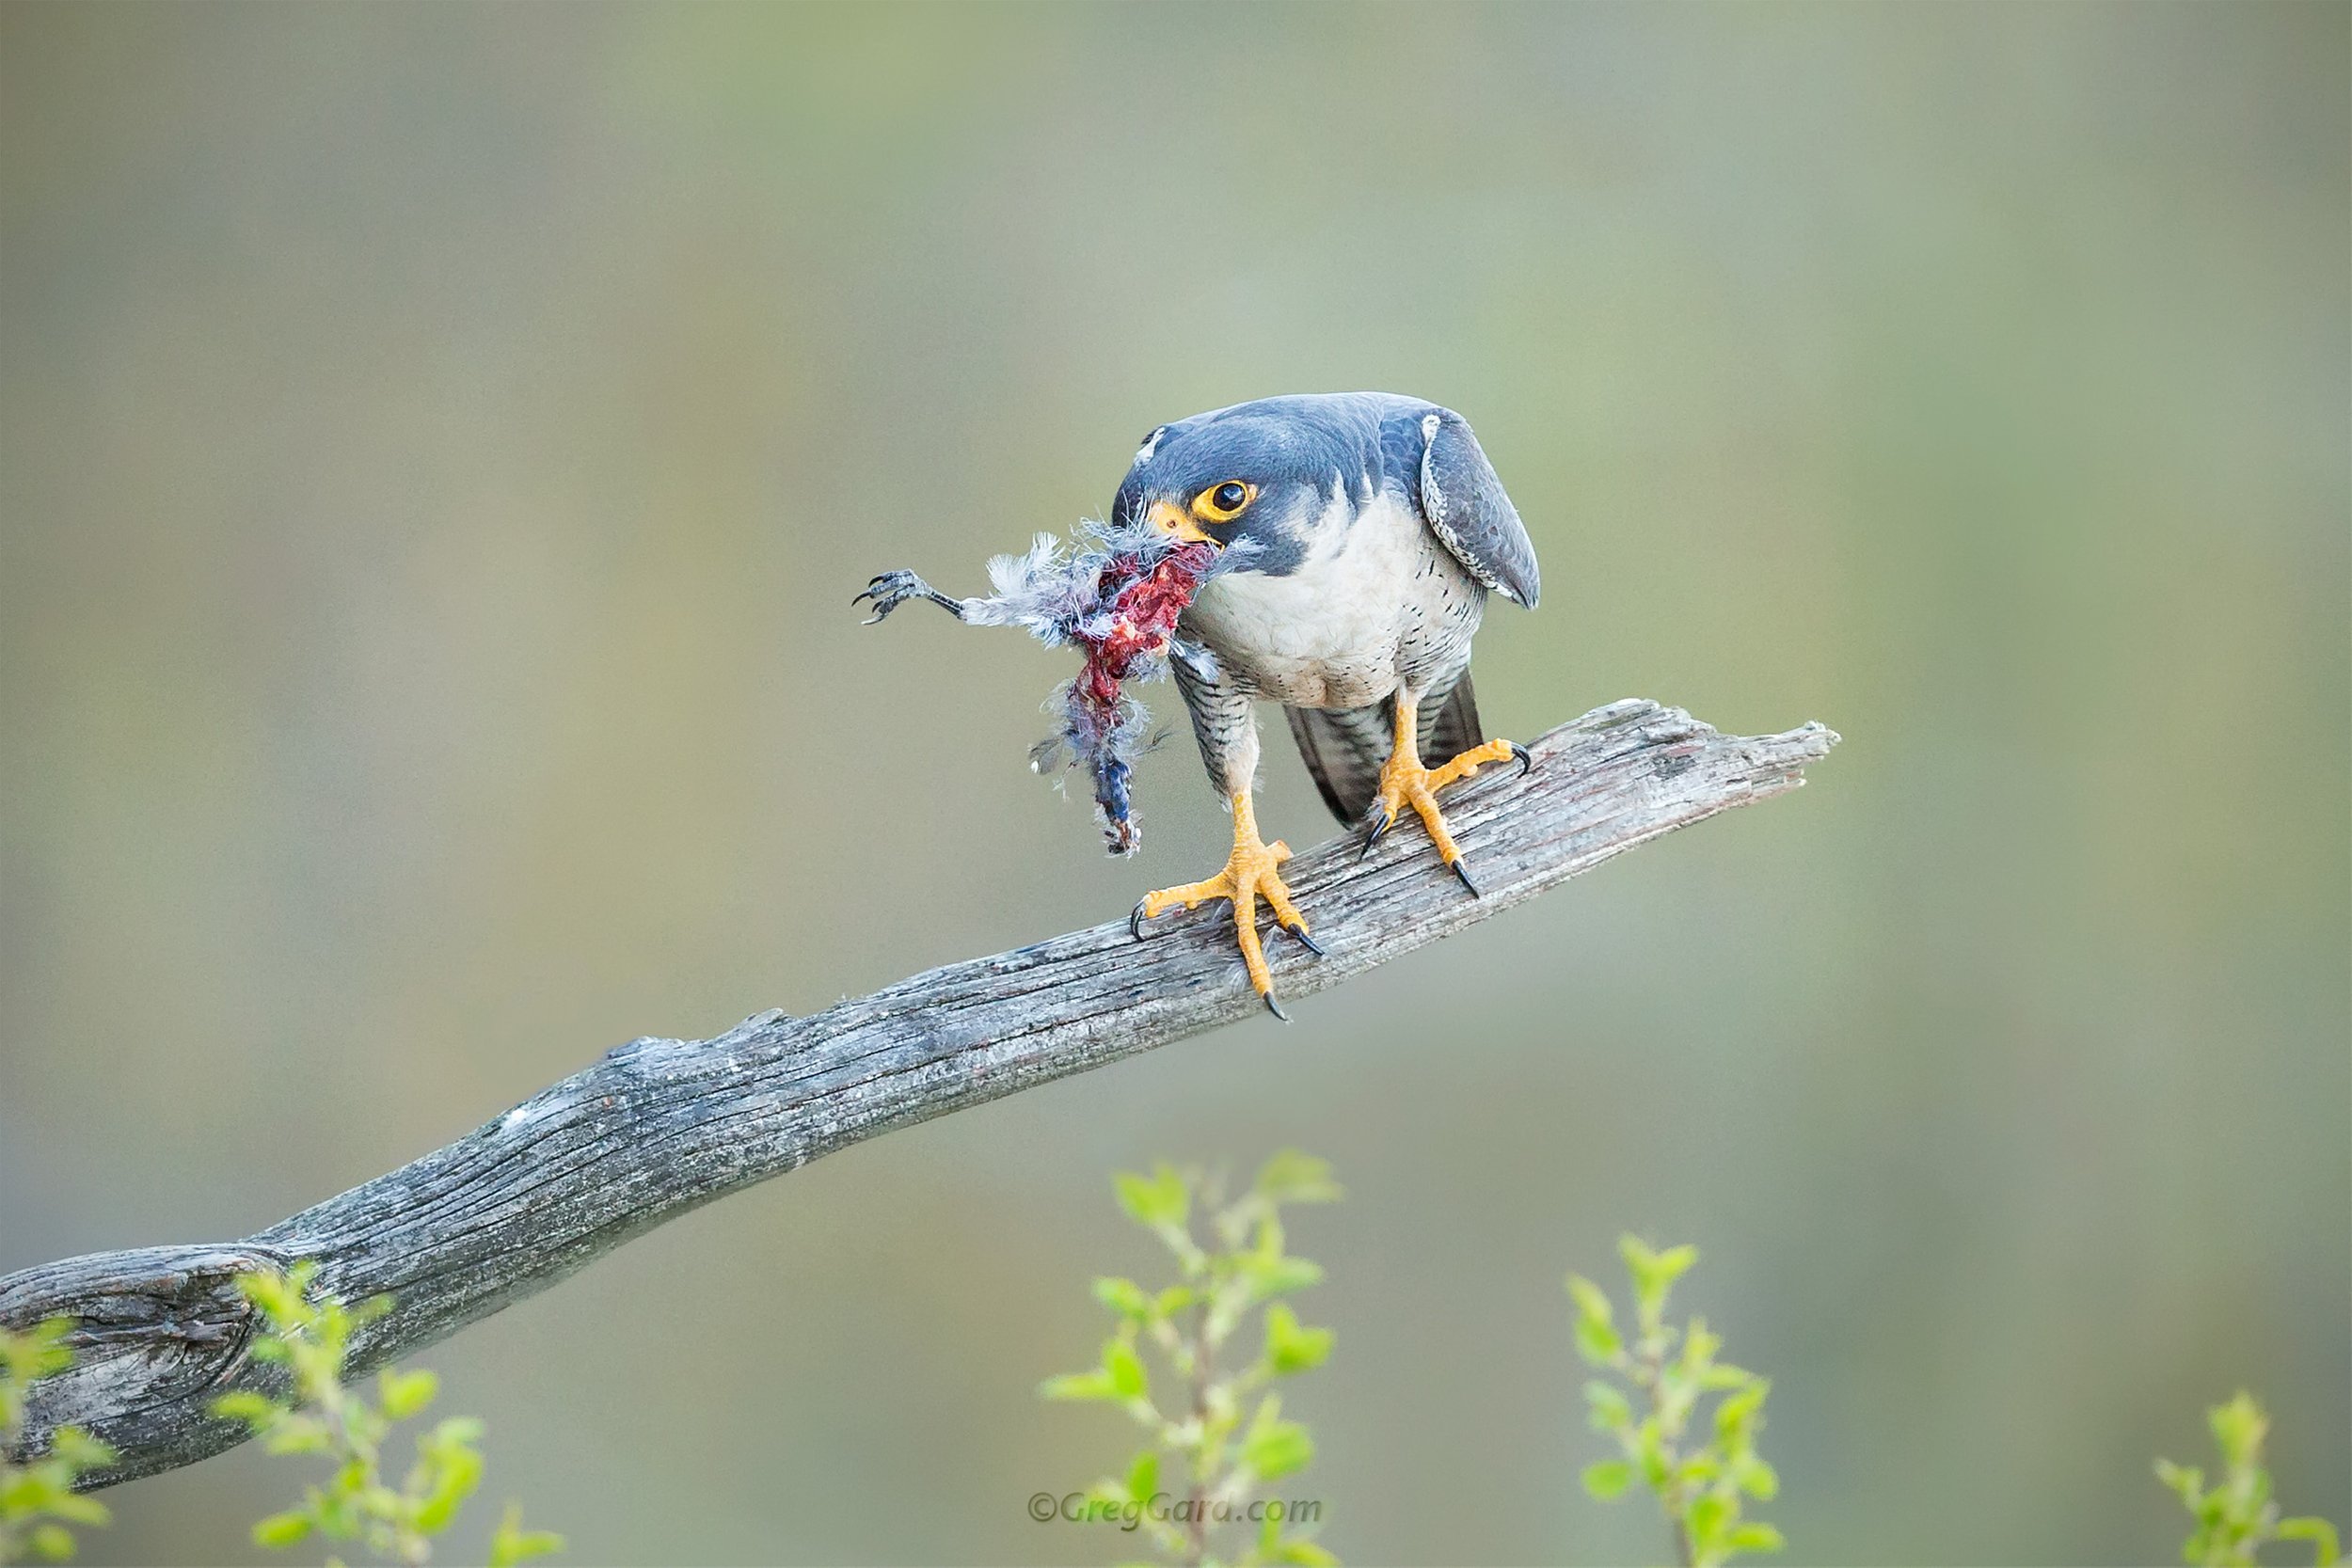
x,y
1404,782
1248,874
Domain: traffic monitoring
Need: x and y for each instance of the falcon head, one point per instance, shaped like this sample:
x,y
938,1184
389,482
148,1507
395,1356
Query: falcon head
x,y
1284,473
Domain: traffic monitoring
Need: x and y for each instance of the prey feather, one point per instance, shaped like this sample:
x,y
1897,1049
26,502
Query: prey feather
x,y
1115,595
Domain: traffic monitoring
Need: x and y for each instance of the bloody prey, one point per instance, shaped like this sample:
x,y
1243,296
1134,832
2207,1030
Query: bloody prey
x,y
1117,598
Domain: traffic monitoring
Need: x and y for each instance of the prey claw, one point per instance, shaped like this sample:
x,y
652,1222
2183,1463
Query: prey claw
x,y
1461,869
893,589
1527,758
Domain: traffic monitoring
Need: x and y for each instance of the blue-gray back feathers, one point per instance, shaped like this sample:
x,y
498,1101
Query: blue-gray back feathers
x,y
1361,442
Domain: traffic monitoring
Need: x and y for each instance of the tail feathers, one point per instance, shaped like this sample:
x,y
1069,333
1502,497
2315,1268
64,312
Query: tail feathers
x,y
1344,747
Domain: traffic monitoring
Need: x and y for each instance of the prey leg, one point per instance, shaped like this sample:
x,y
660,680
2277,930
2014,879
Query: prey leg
x,y
1250,873
893,589
1404,782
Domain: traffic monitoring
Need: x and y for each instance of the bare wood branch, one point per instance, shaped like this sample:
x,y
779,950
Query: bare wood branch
x,y
656,1127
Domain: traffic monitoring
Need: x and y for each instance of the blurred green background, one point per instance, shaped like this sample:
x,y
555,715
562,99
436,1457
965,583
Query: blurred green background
x,y
440,447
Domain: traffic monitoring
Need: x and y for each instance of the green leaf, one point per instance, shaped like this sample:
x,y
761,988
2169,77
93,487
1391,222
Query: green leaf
x,y
1756,1478
75,1508
2185,1481
2318,1531
459,1472
1739,1413
2238,1428
293,1434
1291,1348
37,1352
1143,1475
79,1449
1597,1337
1278,1450
1123,1296
454,1432
1608,1479
1754,1536
282,1529
1155,1200
1654,1273
53,1541
1299,1549
1698,1470
1611,1410
404,1394
1274,1446
1078,1386
512,1543
1124,1367
1591,1300
1290,1177
22,1494
1276,1276
1649,1447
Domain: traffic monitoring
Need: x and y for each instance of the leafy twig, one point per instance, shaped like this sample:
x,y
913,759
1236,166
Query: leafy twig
x,y
342,1423
36,1495
2237,1516
1701,1491
1228,1446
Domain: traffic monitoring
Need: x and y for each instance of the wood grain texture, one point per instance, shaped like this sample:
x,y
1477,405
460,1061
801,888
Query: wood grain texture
x,y
656,1127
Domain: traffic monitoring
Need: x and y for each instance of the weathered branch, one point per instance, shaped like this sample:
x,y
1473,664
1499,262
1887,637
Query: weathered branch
x,y
656,1127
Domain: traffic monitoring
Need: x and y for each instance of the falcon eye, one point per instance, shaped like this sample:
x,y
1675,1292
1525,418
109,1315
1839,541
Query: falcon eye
x,y
1222,503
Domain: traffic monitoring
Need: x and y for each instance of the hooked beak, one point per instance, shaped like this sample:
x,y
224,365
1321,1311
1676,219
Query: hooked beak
x,y
1176,523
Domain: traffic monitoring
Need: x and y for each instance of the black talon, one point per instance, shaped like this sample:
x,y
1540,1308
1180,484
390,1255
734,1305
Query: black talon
x,y
1378,828
1311,943
1273,1007
1527,758
1461,869
1135,919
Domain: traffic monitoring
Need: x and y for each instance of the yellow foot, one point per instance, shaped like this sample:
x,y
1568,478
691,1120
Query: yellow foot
x,y
1250,873
1404,782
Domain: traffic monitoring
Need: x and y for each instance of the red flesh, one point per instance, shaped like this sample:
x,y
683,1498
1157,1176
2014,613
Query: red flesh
x,y
1143,612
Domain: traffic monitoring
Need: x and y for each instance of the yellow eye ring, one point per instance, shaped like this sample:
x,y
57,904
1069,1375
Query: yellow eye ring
x,y
1224,502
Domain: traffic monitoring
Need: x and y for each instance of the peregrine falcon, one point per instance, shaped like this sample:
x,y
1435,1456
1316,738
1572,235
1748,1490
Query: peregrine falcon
x,y
1361,533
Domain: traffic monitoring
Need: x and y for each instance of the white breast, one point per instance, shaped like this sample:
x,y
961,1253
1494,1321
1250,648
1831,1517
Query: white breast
x,y
1330,634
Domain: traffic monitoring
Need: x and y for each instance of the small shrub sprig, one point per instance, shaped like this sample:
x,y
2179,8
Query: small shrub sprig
x,y
2237,1516
37,1496
1702,1490
1224,1427
327,1418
